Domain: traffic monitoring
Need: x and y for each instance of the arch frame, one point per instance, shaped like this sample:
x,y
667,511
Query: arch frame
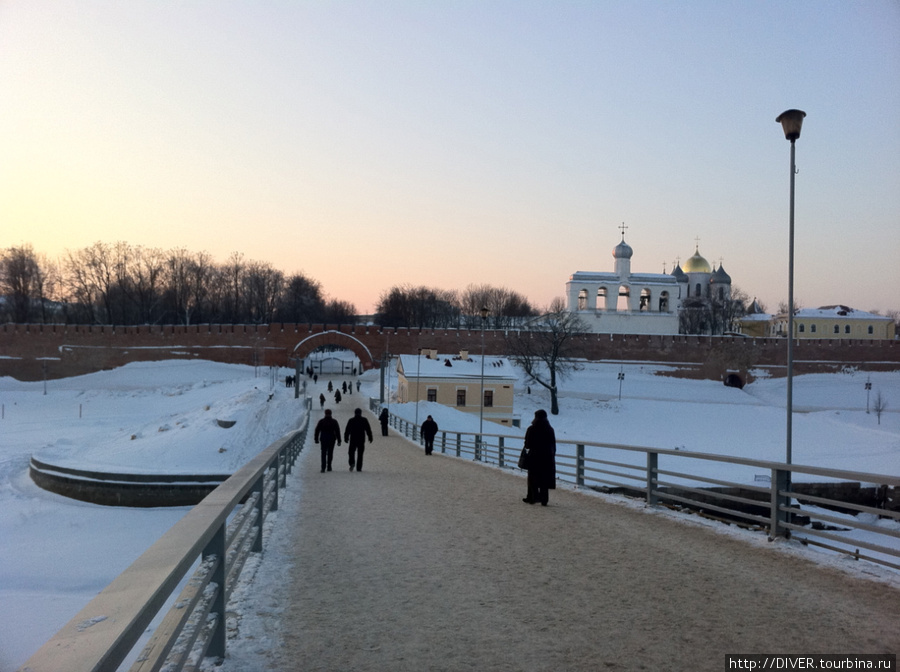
x,y
333,337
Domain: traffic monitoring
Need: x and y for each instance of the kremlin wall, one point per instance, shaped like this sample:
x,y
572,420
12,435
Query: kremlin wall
x,y
36,351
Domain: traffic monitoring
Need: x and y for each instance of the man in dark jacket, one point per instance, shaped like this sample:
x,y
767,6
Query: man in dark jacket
x,y
429,430
355,433
328,431
540,440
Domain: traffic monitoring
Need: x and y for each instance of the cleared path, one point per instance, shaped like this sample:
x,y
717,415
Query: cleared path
x,y
435,563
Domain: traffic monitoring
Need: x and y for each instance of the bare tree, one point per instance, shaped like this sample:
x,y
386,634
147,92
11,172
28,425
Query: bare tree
x,y
90,279
262,287
418,307
301,300
546,347
505,307
340,312
19,281
879,405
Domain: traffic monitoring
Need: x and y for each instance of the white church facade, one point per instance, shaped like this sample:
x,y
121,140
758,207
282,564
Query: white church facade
x,y
623,302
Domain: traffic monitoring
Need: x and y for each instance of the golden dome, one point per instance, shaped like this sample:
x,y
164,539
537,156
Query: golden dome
x,y
697,264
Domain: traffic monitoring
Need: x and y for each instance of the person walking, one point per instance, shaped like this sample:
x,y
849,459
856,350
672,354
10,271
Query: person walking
x,y
540,440
337,396
429,430
355,433
384,418
328,432
321,401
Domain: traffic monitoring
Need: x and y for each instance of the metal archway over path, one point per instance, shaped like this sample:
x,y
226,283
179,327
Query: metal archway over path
x,y
305,347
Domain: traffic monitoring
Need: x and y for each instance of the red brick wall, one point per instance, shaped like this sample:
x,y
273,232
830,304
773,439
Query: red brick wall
x,y
29,352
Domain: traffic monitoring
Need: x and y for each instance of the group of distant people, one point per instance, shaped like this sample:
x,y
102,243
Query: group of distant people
x,y
540,444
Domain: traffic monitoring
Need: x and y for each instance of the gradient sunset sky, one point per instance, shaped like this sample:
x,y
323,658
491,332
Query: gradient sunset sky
x,y
371,144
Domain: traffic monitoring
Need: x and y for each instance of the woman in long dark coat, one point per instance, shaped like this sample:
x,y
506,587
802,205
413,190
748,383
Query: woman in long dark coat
x,y
540,440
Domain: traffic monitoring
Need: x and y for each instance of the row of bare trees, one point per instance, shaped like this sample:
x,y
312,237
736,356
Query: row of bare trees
x,y
430,308
126,284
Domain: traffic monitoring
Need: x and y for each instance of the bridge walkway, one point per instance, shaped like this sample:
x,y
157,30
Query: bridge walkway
x,y
435,563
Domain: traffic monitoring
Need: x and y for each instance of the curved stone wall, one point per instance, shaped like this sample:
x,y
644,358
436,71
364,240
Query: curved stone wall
x,y
119,489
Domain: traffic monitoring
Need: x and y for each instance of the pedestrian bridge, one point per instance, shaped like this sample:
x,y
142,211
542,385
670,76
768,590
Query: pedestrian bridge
x,y
435,563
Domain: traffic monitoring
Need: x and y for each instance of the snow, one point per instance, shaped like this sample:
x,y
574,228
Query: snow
x,y
58,553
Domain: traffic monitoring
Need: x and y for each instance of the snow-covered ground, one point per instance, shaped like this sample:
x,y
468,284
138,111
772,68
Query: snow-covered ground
x,y
56,553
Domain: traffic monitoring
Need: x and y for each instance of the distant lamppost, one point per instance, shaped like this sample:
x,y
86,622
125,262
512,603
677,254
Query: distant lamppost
x,y
484,315
791,121
418,369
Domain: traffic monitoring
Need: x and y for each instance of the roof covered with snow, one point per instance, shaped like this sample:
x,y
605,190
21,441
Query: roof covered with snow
x,y
455,366
843,312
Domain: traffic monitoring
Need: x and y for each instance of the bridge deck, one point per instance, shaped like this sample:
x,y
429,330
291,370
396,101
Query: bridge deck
x,y
435,563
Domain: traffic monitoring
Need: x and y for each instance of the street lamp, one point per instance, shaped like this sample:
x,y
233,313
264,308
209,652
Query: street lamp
x,y
484,315
791,121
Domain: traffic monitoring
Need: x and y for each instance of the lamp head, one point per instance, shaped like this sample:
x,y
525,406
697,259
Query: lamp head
x,y
791,121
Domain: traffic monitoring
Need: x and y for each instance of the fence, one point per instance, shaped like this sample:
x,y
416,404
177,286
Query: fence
x,y
832,508
220,533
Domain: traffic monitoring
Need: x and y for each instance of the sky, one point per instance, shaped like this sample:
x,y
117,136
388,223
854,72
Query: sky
x,y
383,143
57,554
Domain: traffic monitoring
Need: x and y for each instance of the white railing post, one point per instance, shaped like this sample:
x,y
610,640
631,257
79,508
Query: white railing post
x,y
579,464
216,547
260,489
277,479
652,466
780,502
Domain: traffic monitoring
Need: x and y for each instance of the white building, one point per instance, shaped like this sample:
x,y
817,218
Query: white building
x,y
622,302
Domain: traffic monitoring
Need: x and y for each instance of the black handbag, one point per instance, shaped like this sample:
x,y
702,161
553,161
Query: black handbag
x,y
523,459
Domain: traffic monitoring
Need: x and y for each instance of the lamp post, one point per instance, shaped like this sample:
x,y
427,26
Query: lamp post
x,y
484,314
418,369
791,121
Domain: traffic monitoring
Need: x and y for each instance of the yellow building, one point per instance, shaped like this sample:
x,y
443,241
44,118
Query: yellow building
x,y
456,381
834,322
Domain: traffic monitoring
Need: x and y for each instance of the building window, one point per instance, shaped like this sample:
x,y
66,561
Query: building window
x,y
664,302
812,328
871,329
837,329
802,328
460,397
431,394
847,329
582,300
488,398
698,292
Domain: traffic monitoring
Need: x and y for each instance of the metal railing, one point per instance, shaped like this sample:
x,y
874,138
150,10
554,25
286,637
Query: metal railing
x,y
221,532
815,505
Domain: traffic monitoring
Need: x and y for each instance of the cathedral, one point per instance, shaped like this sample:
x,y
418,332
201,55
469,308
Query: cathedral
x,y
623,302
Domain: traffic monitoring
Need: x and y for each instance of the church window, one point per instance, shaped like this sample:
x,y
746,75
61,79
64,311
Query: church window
x,y
582,300
837,329
698,291
871,329
846,328
601,298
664,302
